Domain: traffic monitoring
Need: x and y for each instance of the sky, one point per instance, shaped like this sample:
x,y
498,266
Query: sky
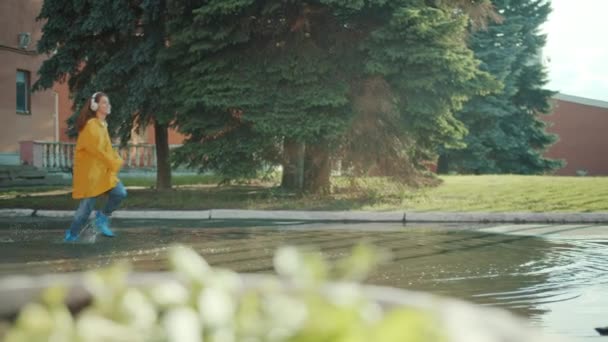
x,y
576,53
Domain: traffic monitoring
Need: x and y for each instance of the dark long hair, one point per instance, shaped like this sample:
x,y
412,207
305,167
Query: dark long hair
x,y
86,113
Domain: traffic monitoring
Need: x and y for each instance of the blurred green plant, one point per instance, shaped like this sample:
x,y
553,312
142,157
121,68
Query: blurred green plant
x,y
208,304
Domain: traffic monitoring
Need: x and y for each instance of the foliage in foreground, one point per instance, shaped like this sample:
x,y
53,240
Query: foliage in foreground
x,y
210,305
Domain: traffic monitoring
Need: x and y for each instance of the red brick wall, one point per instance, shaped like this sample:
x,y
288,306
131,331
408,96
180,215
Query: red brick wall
x,y
175,138
16,17
583,137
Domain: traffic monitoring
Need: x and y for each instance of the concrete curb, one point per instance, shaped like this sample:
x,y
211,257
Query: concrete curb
x,y
523,217
16,212
331,216
356,216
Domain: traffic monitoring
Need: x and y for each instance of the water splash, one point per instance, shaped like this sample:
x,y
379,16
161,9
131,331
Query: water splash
x,y
89,233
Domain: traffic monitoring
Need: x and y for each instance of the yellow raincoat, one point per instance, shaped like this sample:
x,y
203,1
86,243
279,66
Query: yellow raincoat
x,y
96,164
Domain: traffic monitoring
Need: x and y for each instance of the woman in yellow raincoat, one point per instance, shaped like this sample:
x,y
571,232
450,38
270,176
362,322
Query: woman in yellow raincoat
x,y
96,167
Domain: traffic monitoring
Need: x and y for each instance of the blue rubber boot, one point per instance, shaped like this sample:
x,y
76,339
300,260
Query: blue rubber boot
x,y
69,237
103,224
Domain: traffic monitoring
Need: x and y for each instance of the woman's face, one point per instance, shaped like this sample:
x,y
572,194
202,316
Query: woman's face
x,y
104,108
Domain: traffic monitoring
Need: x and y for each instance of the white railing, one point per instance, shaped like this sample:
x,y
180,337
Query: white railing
x,y
138,156
60,155
52,156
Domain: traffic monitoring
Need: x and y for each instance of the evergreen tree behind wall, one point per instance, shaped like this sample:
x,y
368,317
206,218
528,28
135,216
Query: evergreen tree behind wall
x,y
506,134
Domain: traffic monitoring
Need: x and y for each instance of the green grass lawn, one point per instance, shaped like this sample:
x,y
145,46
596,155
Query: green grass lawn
x,y
504,193
515,193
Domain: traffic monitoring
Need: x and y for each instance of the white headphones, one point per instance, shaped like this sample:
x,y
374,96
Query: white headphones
x,y
94,105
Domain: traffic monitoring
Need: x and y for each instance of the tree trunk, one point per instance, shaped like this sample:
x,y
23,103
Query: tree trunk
x,y
163,166
317,169
442,164
293,162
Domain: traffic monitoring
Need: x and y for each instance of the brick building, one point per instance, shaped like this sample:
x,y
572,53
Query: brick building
x,y
24,115
582,126
34,119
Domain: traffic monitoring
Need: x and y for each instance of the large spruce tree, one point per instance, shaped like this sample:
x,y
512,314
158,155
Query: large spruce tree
x,y
505,132
263,82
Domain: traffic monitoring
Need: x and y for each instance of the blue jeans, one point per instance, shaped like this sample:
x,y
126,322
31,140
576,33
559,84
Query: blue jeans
x,y
86,206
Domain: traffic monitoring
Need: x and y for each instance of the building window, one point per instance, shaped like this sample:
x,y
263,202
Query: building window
x,y
23,92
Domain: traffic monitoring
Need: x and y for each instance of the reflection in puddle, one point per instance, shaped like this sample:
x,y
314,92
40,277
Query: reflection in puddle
x,y
559,285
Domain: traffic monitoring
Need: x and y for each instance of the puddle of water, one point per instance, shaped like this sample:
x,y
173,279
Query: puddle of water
x,y
559,285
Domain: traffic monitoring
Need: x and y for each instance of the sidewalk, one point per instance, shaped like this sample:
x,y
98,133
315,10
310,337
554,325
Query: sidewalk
x,y
332,216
